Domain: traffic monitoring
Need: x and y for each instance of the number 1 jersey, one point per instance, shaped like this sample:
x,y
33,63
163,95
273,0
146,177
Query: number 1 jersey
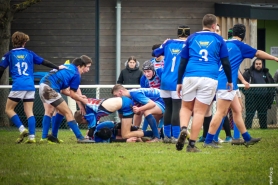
x,y
171,51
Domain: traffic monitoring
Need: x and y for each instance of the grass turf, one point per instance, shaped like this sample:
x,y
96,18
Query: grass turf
x,y
136,163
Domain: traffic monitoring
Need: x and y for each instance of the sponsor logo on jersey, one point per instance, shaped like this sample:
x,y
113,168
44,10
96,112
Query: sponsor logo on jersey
x,y
202,43
20,56
175,51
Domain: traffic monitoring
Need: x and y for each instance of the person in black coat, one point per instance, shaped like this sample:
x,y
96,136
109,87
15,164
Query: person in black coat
x,y
258,99
131,74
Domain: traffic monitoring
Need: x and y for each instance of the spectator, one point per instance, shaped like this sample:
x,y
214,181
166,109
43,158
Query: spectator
x,y
131,74
258,99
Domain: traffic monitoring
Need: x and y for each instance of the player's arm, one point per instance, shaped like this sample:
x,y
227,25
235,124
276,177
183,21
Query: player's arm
x,y
4,64
227,68
147,106
159,51
66,91
263,55
75,96
243,81
182,68
80,105
51,65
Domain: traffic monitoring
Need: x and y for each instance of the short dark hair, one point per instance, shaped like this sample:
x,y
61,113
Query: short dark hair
x,y
209,20
156,46
86,59
104,133
239,30
78,62
183,31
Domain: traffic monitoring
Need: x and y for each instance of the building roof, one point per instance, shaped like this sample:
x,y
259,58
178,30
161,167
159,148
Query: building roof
x,y
247,10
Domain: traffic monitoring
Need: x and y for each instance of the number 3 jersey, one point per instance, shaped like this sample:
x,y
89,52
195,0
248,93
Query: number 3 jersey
x,y
21,62
171,51
204,50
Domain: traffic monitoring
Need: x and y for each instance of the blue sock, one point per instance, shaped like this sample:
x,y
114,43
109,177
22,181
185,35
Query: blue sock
x,y
73,125
209,138
215,138
53,120
161,123
56,124
45,126
148,133
176,131
15,119
236,132
32,125
167,130
145,124
246,136
152,123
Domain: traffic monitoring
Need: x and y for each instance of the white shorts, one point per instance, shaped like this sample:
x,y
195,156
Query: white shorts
x,y
201,88
225,95
23,95
49,95
238,93
169,94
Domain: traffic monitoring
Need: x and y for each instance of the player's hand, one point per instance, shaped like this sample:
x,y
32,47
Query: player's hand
x,y
179,87
62,67
82,110
246,85
136,109
83,96
276,59
131,140
84,100
229,86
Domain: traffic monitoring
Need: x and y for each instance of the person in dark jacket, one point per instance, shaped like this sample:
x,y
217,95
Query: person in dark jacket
x,y
131,74
258,99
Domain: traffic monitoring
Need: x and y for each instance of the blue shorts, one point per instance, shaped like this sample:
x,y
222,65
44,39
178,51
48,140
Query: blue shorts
x,y
126,109
160,103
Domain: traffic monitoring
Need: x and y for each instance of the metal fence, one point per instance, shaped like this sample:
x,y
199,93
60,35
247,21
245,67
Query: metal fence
x,y
260,108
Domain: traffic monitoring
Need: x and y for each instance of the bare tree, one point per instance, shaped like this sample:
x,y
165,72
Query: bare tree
x,y
7,12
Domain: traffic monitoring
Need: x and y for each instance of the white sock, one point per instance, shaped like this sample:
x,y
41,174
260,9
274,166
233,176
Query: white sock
x,y
31,137
21,128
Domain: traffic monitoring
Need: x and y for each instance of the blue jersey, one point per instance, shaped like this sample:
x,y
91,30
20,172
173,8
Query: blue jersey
x,y
62,79
204,50
238,51
21,64
144,95
157,64
171,51
154,82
